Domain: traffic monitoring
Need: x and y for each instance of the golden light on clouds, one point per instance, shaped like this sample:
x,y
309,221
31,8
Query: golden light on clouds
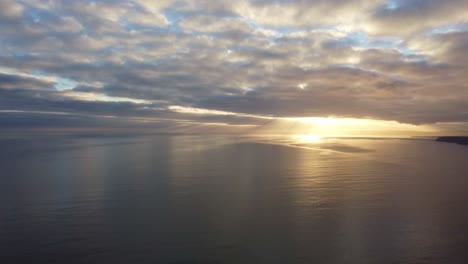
x,y
98,97
313,129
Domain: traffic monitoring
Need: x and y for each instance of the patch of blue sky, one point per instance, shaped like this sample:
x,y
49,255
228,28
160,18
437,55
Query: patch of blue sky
x,y
448,29
32,15
285,30
125,24
346,66
361,40
418,59
19,54
356,68
60,82
111,50
99,63
393,4
407,52
356,38
173,16
242,63
65,84
384,43
252,24
275,31
132,27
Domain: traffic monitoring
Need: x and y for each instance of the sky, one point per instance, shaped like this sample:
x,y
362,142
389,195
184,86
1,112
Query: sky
x,y
317,66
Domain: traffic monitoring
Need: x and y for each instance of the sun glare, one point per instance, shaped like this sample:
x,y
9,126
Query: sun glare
x,y
309,138
345,127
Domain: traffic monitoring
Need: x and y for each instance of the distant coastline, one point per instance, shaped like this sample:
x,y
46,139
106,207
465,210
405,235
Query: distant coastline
x,y
458,140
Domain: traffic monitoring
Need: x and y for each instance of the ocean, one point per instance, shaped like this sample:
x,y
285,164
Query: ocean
x,y
232,199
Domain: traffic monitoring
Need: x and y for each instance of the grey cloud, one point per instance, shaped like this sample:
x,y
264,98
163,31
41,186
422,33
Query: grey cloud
x,y
10,10
53,101
411,16
238,57
10,81
393,84
455,46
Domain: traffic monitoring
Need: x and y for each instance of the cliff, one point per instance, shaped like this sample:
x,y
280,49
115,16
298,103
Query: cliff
x,y
458,140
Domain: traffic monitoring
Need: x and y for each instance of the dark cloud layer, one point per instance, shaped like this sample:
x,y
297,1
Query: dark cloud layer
x,y
237,63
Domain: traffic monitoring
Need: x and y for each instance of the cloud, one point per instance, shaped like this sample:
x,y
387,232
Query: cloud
x,y
390,60
412,16
9,81
10,9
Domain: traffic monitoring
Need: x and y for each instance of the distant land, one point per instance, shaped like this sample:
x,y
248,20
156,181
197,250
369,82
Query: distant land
x,y
458,140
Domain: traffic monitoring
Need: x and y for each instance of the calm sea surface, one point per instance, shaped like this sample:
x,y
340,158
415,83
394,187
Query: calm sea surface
x,y
213,199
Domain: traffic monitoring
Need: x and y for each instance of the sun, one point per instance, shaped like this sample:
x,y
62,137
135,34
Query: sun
x,y
309,138
313,137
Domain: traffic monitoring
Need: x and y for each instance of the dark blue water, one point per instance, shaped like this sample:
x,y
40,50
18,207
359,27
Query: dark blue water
x,y
210,199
